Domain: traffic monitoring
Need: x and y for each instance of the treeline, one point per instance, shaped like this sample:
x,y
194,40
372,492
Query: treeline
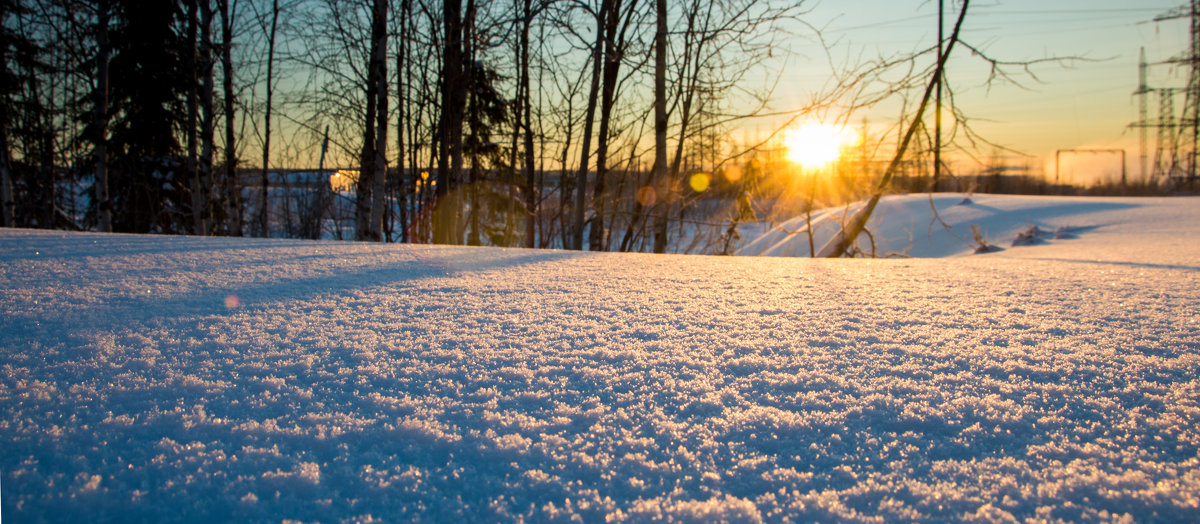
x,y
583,124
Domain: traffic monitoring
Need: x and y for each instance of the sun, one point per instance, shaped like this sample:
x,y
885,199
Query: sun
x,y
817,145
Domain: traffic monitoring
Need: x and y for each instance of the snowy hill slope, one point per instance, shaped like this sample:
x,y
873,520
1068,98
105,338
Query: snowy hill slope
x,y
199,379
905,225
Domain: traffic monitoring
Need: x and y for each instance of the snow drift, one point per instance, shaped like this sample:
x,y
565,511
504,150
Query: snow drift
x,y
906,225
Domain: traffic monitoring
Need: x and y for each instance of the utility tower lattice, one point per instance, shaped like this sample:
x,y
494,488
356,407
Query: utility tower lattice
x,y
1189,125
1168,149
1178,133
1143,123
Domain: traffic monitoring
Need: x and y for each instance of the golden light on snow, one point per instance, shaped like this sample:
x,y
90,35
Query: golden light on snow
x,y
816,145
700,182
343,180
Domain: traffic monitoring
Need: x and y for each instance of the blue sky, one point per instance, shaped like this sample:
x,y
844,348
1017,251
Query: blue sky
x,y
1087,104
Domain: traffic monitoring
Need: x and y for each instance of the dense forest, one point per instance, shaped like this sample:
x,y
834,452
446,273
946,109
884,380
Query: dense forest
x,y
577,124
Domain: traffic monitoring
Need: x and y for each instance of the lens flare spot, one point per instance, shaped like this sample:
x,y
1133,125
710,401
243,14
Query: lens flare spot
x,y
647,196
232,302
733,173
700,182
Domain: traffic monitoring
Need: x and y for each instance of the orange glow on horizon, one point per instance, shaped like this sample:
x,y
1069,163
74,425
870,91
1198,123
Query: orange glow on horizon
x,y
816,145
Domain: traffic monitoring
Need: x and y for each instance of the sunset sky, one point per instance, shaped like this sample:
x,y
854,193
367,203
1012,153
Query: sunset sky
x,y
1084,104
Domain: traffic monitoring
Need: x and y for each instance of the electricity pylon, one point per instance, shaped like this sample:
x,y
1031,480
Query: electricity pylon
x,y
1182,134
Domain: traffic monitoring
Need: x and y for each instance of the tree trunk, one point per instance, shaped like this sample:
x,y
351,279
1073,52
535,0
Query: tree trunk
x,y
660,125
366,170
937,113
612,64
7,200
193,109
474,122
689,78
367,227
531,204
401,106
454,97
100,124
510,216
564,186
233,189
264,220
379,59
206,111
589,116
7,207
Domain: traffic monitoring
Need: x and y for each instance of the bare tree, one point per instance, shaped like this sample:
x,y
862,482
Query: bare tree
x,y
840,243
264,221
379,75
447,225
589,117
531,189
566,118
7,203
232,190
370,187
403,16
191,62
99,119
616,25
716,48
205,64
660,113
6,188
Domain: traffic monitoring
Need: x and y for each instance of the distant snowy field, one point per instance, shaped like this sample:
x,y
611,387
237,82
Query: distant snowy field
x,y
152,378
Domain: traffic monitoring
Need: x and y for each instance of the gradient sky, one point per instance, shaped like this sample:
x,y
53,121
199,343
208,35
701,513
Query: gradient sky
x,y
1085,104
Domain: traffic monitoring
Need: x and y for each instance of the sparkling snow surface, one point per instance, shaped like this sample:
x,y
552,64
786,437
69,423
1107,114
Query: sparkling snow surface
x,y
198,379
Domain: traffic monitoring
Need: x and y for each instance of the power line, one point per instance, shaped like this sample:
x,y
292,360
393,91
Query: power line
x,y
1130,10
1035,17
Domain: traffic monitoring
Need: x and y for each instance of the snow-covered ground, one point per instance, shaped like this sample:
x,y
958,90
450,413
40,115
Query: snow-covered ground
x,y
196,379
905,225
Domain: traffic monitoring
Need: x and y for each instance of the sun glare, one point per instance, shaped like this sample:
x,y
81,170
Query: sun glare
x,y
816,145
